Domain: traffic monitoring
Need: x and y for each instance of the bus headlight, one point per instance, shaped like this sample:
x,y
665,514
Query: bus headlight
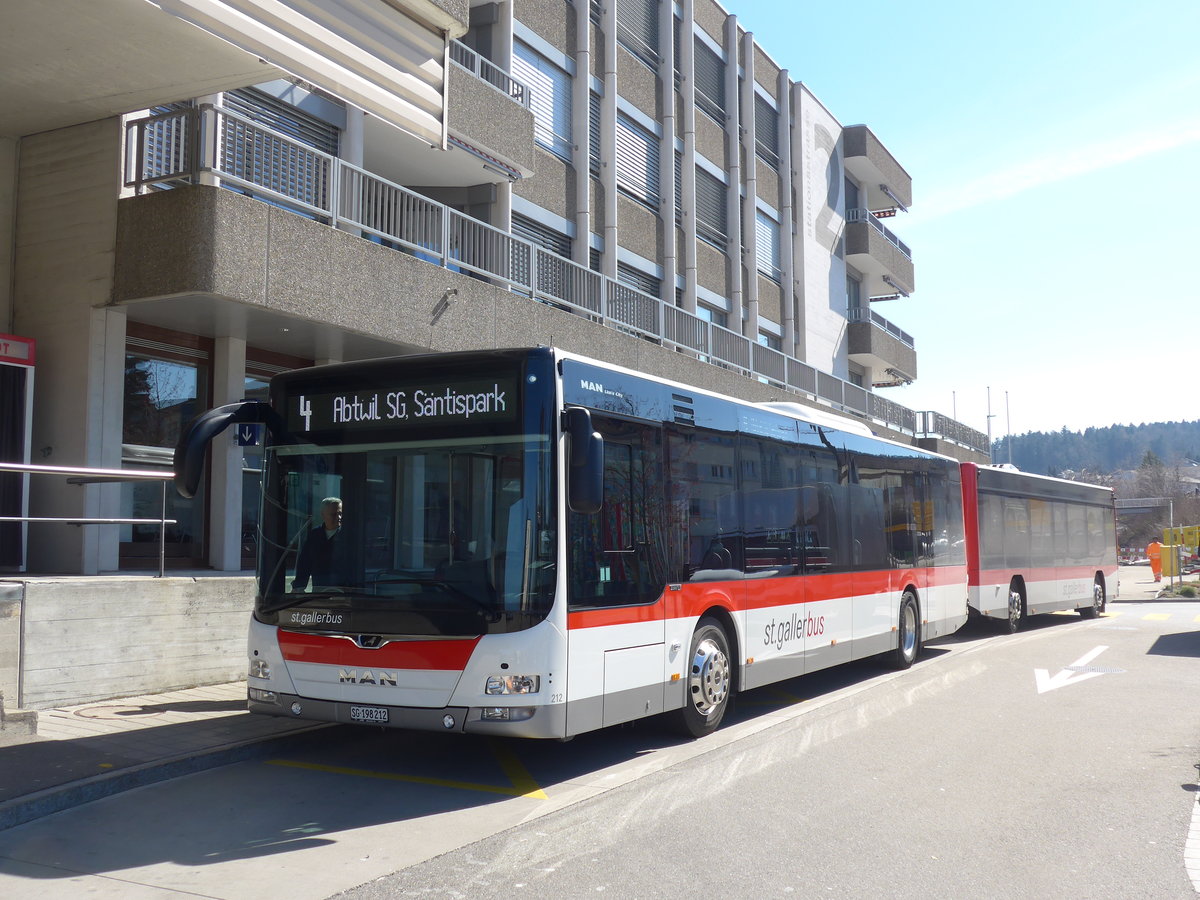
x,y
260,668
512,684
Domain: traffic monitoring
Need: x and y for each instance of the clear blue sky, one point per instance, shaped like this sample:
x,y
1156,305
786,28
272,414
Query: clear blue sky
x,y
1054,149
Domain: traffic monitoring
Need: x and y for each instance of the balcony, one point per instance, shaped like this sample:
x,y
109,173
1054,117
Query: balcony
x,y
124,56
876,344
884,260
885,182
191,146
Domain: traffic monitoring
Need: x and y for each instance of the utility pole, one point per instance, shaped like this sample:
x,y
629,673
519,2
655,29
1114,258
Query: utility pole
x,y
989,419
1008,427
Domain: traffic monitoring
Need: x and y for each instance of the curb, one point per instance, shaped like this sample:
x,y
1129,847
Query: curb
x,y
48,801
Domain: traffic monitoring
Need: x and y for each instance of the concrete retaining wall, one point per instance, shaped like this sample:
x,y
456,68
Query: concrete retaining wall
x,y
87,639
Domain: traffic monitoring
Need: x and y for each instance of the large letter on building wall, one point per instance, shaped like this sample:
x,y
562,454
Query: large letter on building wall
x,y
365,51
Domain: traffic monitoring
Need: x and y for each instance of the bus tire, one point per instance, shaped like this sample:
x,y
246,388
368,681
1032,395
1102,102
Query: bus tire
x,y
908,632
1097,607
707,681
1016,610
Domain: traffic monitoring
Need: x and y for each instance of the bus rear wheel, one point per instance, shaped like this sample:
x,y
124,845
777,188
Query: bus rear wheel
x,y
708,681
908,632
1097,607
1016,610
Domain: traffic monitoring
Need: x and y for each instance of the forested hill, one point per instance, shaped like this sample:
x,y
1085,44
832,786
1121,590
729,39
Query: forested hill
x,y
1108,449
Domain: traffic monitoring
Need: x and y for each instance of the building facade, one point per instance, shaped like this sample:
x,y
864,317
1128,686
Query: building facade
x,y
216,191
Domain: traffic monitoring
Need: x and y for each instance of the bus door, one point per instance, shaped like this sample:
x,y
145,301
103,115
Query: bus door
x,y
873,492
616,576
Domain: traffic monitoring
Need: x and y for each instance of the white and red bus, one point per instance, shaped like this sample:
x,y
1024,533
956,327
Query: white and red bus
x,y
1037,544
537,544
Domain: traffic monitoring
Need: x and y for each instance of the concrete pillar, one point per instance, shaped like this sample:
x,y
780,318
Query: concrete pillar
x,y
580,106
8,194
608,141
733,192
687,174
350,149
102,544
787,279
208,121
794,125
666,150
225,475
749,248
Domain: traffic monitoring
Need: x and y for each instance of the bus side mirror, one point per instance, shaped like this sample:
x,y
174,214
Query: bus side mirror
x,y
585,465
195,438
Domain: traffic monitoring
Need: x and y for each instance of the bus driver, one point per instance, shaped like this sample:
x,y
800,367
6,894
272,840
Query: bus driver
x,y
321,556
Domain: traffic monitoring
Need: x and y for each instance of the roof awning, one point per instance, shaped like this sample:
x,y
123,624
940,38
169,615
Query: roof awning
x,y
366,52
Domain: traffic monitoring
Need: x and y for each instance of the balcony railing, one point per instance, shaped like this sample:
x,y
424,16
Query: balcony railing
x,y
180,146
865,314
864,215
487,71
934,424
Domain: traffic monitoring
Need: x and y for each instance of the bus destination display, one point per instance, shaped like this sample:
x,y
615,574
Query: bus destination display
x,y
411,403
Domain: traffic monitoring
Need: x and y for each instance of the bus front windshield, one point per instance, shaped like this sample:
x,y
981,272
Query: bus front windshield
x,y
448,537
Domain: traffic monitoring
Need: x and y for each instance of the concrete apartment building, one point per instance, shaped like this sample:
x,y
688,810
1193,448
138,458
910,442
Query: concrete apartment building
x,y
197,194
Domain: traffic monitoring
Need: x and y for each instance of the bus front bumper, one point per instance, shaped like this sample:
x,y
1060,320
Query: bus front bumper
x,y
537,721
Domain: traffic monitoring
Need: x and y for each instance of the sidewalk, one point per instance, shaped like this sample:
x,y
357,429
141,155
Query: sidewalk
x,y
84,753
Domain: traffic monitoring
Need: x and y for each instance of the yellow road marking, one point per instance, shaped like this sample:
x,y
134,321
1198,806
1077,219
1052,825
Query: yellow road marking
x,y
1156,617
517,773
1196,620
516,790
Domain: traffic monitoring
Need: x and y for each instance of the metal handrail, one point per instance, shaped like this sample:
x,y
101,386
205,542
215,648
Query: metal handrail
x,y
863,314
82,475
489,73
865,215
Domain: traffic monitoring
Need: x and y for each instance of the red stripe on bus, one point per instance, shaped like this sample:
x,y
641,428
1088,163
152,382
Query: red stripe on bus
x,y
692,599
315,648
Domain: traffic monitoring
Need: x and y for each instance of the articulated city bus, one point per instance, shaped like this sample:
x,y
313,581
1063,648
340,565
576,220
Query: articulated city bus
x,y
1037,544
531,543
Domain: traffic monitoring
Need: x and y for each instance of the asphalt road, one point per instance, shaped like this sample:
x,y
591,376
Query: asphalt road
x,y
1029,766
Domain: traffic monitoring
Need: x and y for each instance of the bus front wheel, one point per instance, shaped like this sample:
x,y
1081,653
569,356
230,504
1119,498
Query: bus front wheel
x,y
909,632
709,679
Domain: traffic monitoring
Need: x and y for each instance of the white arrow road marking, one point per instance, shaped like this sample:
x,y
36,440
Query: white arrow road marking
x,y
1071,674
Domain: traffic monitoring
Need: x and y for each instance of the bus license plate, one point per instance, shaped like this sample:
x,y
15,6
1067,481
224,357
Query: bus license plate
x,y
373,714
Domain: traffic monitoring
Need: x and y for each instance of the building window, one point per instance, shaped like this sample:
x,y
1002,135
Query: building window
x,y
594,133
637,162
712,219
166,385
261,367
766,132
541,235
639,280
261,157
716,316
851,195
637,29
710,82
766,232
853,292
550,98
